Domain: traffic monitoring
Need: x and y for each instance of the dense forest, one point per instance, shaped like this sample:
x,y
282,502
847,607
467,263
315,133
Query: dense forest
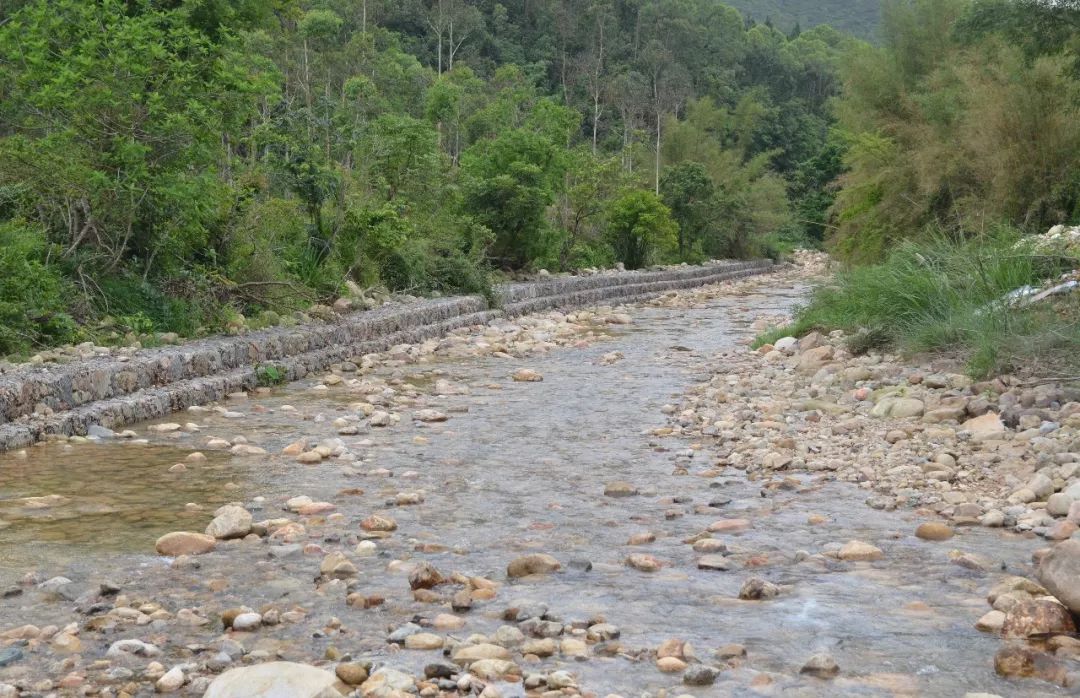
x,y
177,165
861,18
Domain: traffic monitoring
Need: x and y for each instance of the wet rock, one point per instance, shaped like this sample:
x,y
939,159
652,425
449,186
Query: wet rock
x,y
822,666
700,675
620,489
1021,661
715,563
230,521
1037,617
425,576
379,524
731,651
729,526
527,375
337,566
184,543
934,531
643,562
10,655
757,589
440,670
537,563
1059,572
858,551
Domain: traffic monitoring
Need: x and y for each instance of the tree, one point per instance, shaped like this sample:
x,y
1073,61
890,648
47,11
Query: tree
x,y
688,191
510,182
640,229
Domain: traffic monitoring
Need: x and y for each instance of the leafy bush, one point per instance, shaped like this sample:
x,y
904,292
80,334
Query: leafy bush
x,y
33,311
640,229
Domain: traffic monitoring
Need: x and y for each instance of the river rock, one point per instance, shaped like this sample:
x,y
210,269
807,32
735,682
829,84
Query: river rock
x,y
537,563
620,489
467,654
184,543
984,428
337,566
425,576
1020,661
643,562
991,622
171,681
247,621
934,531
527,375
1037,617
700,675
274,680
423,641
496,670
823,666
1058,504
670,665
379,524
230,521
1059,572
387,683
898,408
757,589
351,673
858,551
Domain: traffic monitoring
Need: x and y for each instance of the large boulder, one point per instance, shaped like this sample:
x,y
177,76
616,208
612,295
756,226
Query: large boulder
x,y
274,680
1059,572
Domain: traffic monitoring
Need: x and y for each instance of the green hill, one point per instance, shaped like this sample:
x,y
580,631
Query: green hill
x,y
858,17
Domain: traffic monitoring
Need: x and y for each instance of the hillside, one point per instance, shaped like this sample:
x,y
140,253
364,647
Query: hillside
x,y
859,17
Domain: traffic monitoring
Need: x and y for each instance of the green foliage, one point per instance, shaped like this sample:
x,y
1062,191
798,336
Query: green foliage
x,y
269,375
859,17
185,163
640,229
953,125
688,191
510,182
32,292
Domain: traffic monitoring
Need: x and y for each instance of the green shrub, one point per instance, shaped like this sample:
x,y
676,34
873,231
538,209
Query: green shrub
x,y
33,311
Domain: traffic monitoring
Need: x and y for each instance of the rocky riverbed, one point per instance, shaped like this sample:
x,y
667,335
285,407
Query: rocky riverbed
x,y
620,501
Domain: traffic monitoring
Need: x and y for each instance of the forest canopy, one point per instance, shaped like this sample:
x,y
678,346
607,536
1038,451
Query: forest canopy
x,y
181,165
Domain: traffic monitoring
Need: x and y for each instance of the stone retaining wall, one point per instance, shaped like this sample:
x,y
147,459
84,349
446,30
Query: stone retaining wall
x,y
39,401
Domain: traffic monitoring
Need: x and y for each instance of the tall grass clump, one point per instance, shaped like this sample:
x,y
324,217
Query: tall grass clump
x,y
953,295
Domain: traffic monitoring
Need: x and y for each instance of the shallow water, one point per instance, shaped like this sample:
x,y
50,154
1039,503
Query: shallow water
x,y
521,467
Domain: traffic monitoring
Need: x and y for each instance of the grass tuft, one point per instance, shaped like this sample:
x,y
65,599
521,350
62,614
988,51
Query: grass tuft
x,y
946,295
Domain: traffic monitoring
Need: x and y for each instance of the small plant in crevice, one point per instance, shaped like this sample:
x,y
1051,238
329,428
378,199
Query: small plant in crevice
x,y
269,375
